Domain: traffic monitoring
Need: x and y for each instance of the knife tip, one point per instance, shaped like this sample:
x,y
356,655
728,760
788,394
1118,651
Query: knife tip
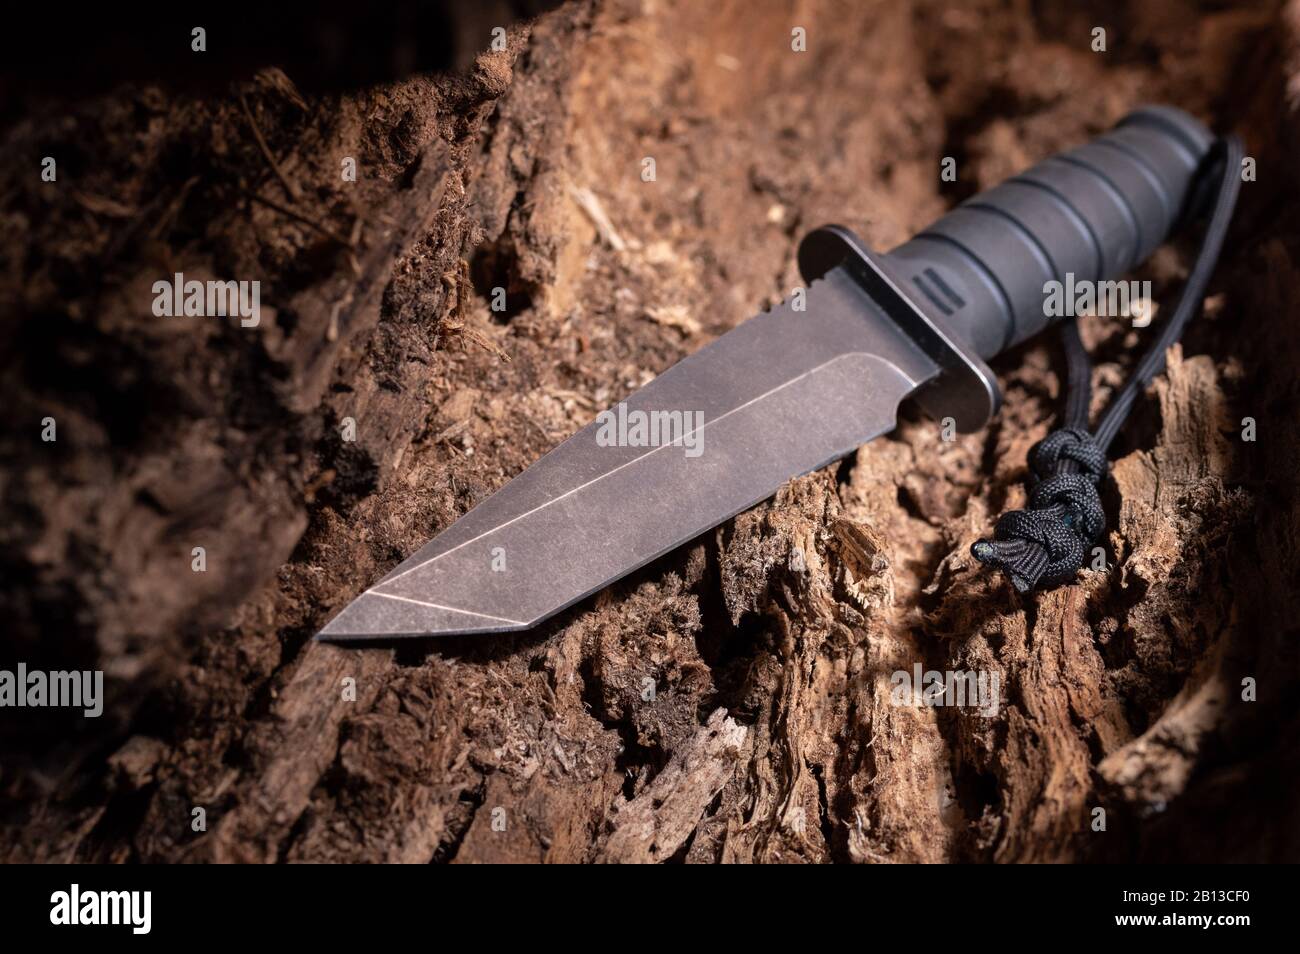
x,y
377,616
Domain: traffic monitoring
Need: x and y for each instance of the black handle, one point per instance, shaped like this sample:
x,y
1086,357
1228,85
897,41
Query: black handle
x,y
1095,212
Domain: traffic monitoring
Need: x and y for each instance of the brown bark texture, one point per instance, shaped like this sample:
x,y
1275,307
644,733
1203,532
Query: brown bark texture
x,y
732,701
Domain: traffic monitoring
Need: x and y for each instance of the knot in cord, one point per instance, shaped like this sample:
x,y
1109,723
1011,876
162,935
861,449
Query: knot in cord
x,y
1048,540
1068,444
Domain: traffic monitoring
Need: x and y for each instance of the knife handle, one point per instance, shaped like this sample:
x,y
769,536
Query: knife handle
x,y
1094,212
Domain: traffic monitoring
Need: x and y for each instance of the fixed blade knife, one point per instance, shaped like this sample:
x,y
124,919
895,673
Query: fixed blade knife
x,y
798,387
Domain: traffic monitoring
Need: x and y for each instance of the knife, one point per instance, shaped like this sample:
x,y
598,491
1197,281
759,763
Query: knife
x,y
795,388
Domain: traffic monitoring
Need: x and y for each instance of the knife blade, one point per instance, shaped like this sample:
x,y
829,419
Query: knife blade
x,y
795,388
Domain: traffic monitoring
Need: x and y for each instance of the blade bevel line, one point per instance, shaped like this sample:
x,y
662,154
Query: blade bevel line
x,y
635,460
452,609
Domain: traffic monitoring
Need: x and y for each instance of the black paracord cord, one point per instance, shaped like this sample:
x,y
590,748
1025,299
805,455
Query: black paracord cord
x,y
1047,542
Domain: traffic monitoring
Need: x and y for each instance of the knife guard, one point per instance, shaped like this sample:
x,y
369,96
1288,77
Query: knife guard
x,y
972,284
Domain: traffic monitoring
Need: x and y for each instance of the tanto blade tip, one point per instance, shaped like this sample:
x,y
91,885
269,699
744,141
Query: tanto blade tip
x,y
374,615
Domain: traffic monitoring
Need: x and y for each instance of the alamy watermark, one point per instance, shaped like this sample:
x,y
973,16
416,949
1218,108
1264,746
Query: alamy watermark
x,y
75,906
928,688
1108,299
36,689
619,427
213,299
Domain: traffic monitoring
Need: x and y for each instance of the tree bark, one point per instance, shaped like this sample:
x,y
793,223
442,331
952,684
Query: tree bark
x,y
735,700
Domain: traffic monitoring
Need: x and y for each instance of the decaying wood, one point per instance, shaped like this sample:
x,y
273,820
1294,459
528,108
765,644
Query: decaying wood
x,y
660,819
735,700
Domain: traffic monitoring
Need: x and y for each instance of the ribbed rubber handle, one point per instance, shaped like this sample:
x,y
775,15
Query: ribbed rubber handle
x,y
1095,211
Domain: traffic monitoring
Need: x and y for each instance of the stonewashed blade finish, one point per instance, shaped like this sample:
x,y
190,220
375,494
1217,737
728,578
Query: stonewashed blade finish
x,y
781,395
790,391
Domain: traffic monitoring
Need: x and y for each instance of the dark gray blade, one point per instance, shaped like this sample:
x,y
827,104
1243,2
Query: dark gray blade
x,y
783,394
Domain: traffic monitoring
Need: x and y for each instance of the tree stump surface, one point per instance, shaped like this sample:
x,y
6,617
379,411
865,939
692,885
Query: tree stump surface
x,y
734,700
